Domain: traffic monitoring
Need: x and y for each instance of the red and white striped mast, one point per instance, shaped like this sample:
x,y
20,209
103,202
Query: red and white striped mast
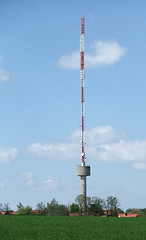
x,y
82,76
83,171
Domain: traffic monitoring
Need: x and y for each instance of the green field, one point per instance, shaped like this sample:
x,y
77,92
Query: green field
x,y
66,228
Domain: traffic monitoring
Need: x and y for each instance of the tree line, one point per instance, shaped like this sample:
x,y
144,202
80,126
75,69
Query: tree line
x,y
95,206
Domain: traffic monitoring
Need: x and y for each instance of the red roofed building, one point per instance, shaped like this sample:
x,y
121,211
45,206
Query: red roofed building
x,y
127,215
36,211
8,213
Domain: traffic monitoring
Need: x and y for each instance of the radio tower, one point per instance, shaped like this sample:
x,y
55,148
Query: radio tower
x,y
83,171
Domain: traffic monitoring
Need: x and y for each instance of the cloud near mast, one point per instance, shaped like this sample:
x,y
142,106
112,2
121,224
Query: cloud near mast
x,y
103,53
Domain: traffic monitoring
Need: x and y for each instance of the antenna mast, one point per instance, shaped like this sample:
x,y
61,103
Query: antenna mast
x,y
83,171
82,75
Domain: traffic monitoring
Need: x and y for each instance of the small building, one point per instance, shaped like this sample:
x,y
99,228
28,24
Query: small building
x,y
108,213
127,215
8,213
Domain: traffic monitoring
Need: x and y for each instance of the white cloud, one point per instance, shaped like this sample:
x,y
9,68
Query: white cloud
x,y
46,185
7,154
61,151
102,54
139,166
1,185
71,61
103,144
29,182
28,177
71,147
99,135
48,181
4,75
121,150
49,184
13,193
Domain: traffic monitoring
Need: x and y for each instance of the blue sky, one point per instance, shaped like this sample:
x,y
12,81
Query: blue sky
x,y
40,100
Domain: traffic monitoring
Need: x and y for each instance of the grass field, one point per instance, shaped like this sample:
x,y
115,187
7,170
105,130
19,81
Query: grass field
x,y
66,228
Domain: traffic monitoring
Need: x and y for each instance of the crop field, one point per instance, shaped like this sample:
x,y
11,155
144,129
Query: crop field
x,y
66,228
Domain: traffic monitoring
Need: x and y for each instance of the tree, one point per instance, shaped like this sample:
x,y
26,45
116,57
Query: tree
x,y
54,208
6,207
88,203
96,206
120,210
1,207
74,208
28,210
129,210
111,205
21,211
133,210
80,200
142,212
19,205
40,206
63,210
25,211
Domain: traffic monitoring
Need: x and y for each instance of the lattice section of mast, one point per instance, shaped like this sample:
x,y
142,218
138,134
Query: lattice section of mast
x,y
82,76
